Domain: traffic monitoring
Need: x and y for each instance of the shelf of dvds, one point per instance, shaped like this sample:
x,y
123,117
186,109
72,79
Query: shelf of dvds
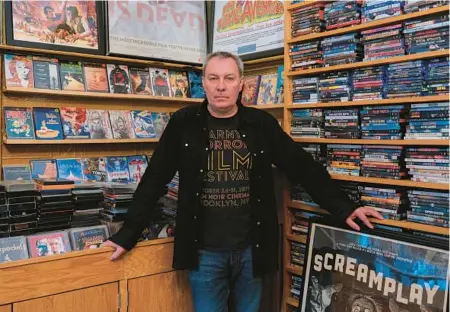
x,y
401,224
268,106
364,26
411,100
391,60
290,302
93,57
407,183
77,141
107,96
372,142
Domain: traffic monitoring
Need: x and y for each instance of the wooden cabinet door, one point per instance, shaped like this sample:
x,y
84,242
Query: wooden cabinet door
x,y
93,299
166,292
6,308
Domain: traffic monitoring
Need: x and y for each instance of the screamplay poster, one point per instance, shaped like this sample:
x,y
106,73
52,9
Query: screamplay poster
x,y
171,30
248,26
348,271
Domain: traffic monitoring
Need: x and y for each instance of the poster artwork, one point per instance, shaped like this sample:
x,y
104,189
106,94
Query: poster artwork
x,y
171,30
245,27
68,23
348,271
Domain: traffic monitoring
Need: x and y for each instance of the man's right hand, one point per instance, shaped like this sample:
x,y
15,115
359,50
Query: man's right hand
x,y
118,250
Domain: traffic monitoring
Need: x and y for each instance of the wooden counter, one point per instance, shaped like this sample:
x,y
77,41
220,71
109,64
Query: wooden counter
x,y
84,281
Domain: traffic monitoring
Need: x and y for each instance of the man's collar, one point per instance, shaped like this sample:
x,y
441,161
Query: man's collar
x,y
243,112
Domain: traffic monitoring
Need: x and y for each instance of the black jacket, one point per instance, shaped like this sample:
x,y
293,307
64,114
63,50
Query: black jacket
x,y
183,147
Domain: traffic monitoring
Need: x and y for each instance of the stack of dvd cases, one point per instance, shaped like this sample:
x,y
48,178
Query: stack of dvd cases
x,y
55,206
436,76
383,161
305,90
428,164
427,34
307,20
428,121
4,214
412,6
169,202
335,87
383,122
342,123
343,159
368,83
405,79
87,198
383,42
341,50
298,251
373,10
307,123
429,207
343,13
117,200
391,203
296,286
306,55
20,214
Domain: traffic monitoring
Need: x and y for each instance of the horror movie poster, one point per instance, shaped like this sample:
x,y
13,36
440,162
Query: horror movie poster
x,y
348,271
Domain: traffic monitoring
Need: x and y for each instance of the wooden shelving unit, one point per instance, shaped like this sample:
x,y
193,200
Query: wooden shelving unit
x,y
391,60
77,141
290,302
364,26
372,142
268,106
163,100
410,100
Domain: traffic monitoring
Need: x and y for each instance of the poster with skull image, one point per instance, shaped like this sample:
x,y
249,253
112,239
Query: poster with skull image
x,y
348,271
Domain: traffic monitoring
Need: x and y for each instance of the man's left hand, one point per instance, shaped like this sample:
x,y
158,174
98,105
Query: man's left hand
x,y
361,213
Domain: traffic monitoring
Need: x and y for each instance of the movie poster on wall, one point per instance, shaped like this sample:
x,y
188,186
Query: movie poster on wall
x,y
76,26
353,271
246,27
349,271
168,30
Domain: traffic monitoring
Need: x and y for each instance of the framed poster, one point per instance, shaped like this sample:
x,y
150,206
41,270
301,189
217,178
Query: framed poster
x,y
165,30
249,28
75,26
348,271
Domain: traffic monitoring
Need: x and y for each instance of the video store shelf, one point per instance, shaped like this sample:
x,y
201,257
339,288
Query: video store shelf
x,y
391,60
293,302
296,238
267,106
364,26
401,224
294,269
407,183
128,97
76,141
372,142
94,57
405,100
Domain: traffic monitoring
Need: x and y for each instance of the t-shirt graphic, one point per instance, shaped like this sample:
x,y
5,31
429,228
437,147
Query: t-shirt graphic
x,y
226,189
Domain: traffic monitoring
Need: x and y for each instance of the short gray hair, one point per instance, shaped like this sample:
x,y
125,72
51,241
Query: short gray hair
x,y
225,55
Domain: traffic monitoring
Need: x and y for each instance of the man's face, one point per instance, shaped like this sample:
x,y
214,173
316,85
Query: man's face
x,y
50,14
22,70
222,83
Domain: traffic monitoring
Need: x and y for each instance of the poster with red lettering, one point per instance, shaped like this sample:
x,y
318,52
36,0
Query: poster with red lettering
x,y
249,28
374,271
76,26
166,30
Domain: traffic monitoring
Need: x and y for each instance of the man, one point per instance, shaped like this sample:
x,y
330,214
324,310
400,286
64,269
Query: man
x,y
227,224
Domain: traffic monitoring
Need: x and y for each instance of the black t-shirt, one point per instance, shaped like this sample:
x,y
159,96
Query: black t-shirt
x,y
226,190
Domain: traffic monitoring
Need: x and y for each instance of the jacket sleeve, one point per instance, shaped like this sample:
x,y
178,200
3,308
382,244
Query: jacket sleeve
x,y
161,169
301,168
